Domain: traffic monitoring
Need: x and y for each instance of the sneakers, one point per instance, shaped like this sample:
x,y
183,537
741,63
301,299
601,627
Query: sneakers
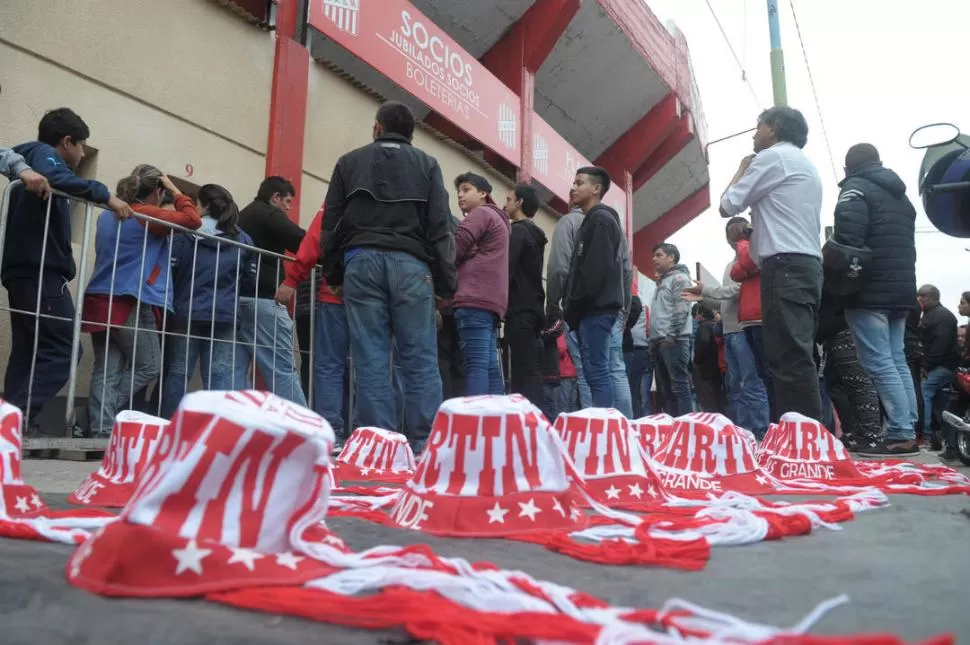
x,y
856,444
891,448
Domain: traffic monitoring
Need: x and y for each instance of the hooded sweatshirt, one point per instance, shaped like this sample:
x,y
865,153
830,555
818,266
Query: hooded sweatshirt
x,y
527,245
560,258
599,282
670,312
873,211
482,258
28,214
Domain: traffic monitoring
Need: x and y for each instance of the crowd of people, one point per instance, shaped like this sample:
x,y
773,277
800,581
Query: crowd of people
x,y
430,306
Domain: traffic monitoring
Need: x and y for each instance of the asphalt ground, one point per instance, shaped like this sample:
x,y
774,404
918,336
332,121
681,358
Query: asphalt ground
x,y
906,569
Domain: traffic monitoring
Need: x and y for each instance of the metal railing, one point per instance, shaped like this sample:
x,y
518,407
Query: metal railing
x,y
170,335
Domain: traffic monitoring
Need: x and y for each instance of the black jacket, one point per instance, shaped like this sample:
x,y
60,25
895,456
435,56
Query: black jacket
x,y
938,336
705,350
914,353
389,195
636,310
527,245
873,211
596,283
271,230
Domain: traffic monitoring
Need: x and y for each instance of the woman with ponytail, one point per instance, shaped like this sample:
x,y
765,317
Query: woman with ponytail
x,y
207,272
129,288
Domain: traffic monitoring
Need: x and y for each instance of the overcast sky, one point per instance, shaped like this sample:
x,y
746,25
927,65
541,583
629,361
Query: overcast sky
x,y
881,69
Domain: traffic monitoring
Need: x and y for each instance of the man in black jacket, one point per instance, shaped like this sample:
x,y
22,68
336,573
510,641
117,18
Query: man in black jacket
x,y
873,212
941,354
524,317
595,289
387,239
708,380
265,327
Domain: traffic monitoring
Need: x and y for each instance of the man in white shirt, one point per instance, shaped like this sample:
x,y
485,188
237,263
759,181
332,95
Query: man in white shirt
x,y
784,192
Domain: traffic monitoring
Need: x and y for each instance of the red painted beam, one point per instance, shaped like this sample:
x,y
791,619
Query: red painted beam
x,y
635,146
666,225
673,144
530,40
288,106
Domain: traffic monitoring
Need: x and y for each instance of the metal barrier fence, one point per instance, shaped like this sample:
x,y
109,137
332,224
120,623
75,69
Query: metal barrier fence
x,y
198,342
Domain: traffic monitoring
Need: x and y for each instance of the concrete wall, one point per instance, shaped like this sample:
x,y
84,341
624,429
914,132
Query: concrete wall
x,y
184,85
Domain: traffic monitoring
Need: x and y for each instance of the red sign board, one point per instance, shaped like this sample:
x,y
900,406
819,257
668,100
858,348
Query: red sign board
x,y
400,42
554,164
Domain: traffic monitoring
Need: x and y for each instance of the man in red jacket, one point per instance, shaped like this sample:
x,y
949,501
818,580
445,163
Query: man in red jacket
x,y
331,343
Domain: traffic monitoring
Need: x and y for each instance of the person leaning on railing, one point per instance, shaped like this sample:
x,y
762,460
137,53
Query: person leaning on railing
x,y
13,166
38,263
208,273
129,288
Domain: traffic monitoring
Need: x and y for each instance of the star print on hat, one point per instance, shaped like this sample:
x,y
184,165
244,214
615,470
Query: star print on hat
x,y
235,476
373,454
134,437
706,455
491,467
652,430
608,455
17,499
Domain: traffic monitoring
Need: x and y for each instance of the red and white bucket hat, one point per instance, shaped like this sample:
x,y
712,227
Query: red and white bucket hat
x,y
373,454
491,467
705,455
18,499
134,437
801,448
652,430
236,477
607,453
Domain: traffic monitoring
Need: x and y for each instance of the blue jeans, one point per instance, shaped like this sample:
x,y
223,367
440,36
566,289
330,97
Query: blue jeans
x,y
572,343
214,355
747,397
755,335
595,337
267,325
879,337
567,395
936,380
622,397
331,348
639,372
672,368
389,292
478,339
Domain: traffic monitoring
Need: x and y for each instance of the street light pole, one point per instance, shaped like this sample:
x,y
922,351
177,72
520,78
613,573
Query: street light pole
x,y
777,56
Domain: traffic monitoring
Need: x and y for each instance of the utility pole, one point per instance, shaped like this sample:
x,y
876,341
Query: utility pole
x,y
777,56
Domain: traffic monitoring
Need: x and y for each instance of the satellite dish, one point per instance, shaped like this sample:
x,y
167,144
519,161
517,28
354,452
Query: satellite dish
x,y
944,178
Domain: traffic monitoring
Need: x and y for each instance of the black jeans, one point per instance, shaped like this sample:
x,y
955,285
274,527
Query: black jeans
x,y
451,363
52,363
791,288
522,339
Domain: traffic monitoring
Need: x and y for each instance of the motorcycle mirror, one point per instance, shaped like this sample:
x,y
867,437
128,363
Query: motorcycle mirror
x,y
933,134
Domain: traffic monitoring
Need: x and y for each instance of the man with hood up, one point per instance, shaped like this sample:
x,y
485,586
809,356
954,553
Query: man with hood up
x,y
524,318
873,212
597,288
671,329
482,258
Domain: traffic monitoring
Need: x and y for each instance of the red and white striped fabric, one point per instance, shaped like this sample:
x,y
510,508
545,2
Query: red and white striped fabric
x,y
134,437
490,468
18,499
705,454
801,448
652,431
609,457
375,455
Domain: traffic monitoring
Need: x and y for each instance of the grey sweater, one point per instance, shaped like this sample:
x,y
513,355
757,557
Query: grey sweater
x,y
728,296
11,164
